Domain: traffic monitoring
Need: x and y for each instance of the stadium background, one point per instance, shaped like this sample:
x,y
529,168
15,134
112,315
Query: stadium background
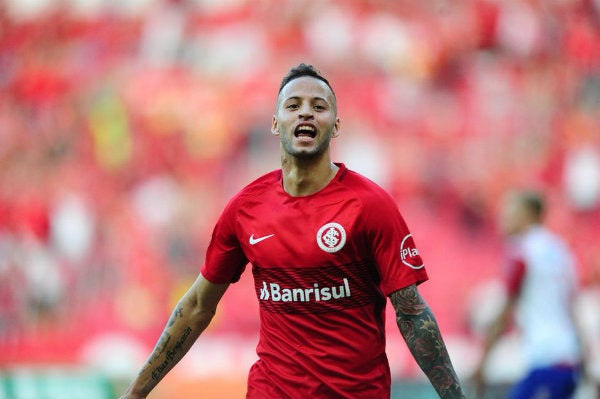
x,y
125,126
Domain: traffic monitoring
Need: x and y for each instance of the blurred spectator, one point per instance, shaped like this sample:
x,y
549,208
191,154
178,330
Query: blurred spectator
x,y
124,126
582,177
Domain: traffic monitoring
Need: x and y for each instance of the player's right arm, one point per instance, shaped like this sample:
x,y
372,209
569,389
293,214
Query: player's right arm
x,y
190,317
421,332
500,323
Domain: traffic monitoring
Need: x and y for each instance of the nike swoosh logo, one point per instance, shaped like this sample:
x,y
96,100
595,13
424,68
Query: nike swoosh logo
x,y
254,241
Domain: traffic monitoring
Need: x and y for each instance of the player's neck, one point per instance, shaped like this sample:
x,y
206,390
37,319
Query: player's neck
x,y
303,177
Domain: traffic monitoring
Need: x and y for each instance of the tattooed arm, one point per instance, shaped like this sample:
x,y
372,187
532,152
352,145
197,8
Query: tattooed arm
x,y
190,317
422,335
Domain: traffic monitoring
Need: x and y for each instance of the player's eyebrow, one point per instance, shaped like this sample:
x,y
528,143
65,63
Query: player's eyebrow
x,y
297,98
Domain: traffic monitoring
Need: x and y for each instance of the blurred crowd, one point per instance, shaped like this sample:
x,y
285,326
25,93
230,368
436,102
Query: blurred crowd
x,y
126,126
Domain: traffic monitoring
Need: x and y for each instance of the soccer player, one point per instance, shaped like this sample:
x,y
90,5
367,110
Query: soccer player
x,y
326,247
541,284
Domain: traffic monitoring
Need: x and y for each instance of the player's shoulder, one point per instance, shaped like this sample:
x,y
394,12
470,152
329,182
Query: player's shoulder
x,y
540,240
540,235
252,194
364,188
259,186
265,181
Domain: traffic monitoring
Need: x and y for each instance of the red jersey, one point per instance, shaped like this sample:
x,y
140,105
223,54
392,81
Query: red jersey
x,y
323,265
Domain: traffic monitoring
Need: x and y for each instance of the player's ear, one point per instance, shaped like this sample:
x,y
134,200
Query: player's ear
x,y
336,128
275,127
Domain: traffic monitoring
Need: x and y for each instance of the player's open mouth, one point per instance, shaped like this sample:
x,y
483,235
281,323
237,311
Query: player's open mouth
x,y
305,131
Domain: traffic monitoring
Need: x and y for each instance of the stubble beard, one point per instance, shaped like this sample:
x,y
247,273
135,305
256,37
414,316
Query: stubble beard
x,y
306,154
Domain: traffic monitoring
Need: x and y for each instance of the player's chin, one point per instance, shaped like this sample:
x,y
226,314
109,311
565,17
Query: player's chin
x,y
308,153
305,150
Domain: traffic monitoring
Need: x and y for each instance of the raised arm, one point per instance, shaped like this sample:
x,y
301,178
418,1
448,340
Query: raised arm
x,y
422,335
190,317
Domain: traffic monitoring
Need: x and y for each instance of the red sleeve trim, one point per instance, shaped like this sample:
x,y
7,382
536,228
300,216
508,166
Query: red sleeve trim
x,y
516,275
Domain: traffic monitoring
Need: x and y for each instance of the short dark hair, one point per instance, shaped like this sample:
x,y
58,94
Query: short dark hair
x,y
304,70
535,203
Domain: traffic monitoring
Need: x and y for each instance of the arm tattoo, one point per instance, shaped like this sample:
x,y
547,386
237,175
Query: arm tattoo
x,y
177,313
422,335
172,356
162,344
158,350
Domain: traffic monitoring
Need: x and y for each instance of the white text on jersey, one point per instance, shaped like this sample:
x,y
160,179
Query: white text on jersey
x,y
275,293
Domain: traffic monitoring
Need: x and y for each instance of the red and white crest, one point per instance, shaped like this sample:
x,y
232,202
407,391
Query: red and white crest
x,y
331,237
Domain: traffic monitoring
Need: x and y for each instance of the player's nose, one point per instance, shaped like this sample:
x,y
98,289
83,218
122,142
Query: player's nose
x,y
306,111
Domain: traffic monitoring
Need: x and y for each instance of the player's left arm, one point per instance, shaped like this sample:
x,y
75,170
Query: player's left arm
x,y
421,332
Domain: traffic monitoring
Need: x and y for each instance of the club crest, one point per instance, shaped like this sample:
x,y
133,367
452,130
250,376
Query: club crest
x,y
331,237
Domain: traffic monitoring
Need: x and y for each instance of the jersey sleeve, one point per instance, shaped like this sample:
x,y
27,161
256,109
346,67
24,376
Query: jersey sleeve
x,y
515,275
398,260
225,259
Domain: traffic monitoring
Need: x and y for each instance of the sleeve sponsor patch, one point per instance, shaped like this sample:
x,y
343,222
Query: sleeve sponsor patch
x,y
410,254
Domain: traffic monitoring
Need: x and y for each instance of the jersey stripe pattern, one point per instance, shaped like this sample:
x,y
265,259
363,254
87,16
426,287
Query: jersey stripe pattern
x,y
315,289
